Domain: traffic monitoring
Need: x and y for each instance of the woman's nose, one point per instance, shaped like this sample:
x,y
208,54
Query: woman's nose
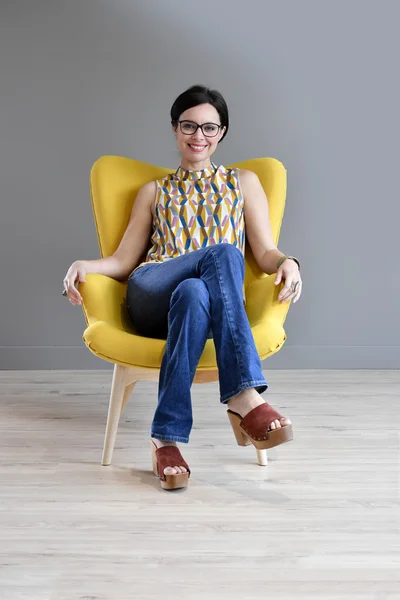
x,y
198,135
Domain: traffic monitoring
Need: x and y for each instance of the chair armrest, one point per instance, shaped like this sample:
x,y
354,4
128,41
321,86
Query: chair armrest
x,y
262,302
104,299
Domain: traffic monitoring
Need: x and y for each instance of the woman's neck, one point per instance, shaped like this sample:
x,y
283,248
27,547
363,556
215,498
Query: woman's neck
x,y
187,165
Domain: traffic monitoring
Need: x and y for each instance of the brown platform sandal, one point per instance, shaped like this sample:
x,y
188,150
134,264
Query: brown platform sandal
x,y
253,429
169,456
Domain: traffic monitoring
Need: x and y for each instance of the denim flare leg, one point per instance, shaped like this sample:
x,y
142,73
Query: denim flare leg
x,y
187,300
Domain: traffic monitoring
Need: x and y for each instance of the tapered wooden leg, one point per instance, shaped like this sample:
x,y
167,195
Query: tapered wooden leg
x,y
262,458
114,412
127,394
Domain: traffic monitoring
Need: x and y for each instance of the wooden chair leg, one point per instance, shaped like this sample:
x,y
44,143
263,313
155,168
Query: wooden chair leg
x,y
262,458
114,411
127,394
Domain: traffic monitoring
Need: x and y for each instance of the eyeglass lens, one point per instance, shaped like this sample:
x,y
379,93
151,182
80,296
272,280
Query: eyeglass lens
x,y
208,129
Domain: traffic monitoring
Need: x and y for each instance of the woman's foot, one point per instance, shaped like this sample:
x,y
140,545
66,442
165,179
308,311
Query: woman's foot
x,y
248,399
169,470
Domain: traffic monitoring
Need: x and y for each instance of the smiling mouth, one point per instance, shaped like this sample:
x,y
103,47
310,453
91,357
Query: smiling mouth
x,y
196,148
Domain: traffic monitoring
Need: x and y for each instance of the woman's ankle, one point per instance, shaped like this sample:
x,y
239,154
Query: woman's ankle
x,y
245,401
162,442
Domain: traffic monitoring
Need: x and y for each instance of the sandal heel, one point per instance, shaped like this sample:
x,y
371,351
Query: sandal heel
x,y
241,438
263,442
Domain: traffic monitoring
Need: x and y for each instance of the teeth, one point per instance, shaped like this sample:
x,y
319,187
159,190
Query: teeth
x,y
196,147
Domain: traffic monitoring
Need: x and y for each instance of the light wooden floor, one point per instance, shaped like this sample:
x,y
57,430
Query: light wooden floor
x,y
321,521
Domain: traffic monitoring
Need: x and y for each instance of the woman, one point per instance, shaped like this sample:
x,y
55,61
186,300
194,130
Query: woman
x,y
190,286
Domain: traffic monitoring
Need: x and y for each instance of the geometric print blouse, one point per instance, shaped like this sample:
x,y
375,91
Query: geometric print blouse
x,y
196,209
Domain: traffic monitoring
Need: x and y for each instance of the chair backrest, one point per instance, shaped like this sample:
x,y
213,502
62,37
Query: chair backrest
x,y
115,181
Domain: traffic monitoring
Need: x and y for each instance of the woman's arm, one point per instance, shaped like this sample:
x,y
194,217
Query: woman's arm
x,y
258,226
130,250
259,235
137,235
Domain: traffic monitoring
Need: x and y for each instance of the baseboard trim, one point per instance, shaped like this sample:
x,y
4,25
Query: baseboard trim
x,y
289,357
335,357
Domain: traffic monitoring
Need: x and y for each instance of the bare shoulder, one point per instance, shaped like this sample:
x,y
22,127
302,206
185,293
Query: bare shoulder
x,y
148,189
249,180
247,173
147,195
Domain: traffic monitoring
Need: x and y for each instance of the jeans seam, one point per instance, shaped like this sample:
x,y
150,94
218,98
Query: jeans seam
x,y
170,438
168,337
225,306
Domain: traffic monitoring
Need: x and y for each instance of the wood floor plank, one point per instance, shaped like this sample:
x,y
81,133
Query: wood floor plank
x,y
321,521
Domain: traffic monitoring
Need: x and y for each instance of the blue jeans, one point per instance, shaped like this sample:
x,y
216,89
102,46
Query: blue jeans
x,y
187,300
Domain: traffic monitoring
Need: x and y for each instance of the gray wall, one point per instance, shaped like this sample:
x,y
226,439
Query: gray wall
x,y
312,83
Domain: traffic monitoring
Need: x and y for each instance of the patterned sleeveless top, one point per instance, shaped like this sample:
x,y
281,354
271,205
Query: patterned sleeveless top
x,y
196,209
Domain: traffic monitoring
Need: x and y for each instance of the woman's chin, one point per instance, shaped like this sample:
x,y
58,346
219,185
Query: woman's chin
x,y
197,156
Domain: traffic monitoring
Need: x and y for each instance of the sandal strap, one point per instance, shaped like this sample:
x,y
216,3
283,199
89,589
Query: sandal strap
x,y
169,456
258,420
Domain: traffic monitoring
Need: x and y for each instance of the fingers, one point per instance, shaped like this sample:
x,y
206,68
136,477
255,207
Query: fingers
x,y
288,297
72,293
70,279
287,293
298,292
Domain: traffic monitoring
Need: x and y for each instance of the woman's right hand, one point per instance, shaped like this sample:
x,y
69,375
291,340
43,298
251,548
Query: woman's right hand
x,y
76,273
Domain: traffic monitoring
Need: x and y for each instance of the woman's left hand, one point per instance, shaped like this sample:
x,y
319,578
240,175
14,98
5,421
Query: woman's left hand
x,y
290,274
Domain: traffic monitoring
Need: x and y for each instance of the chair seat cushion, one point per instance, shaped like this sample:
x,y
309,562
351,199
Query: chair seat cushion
x,y
111,335
119,346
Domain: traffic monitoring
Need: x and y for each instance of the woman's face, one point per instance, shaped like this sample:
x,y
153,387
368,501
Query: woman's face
x,y
197,147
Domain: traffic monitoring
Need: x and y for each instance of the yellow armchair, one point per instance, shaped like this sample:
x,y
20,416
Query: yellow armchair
x,y
110,333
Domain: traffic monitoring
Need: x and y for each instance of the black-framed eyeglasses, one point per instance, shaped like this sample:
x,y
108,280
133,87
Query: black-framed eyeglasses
x,y
208,129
